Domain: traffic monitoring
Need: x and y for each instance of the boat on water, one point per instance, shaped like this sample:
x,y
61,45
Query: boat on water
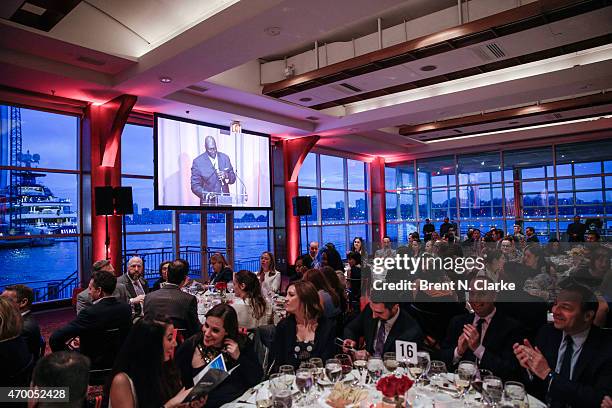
x,y
30,213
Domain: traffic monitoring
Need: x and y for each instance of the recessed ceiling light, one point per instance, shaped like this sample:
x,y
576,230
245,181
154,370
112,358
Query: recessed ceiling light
x,y
34,9
312,118
273,31
165,79
305,99
427,68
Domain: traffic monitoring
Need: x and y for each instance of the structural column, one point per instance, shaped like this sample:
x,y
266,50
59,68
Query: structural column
x,y
378,201
294,153
102,128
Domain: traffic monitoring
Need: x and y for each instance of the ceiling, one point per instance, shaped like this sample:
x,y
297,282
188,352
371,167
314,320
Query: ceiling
x,y
213,52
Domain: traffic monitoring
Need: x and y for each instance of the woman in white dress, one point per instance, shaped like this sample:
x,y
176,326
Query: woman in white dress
x,y
269,277
250,305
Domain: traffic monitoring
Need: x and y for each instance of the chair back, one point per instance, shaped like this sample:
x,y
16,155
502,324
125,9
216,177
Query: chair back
x,y
103,358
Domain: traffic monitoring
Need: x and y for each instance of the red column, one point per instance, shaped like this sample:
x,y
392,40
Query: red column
x,y
103,125
294,153
378,202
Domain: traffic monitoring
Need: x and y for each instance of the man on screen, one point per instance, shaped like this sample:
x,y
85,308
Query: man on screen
x,y
211,174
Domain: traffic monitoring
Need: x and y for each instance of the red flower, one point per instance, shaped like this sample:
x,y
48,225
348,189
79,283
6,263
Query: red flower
x,y
221,286
392,386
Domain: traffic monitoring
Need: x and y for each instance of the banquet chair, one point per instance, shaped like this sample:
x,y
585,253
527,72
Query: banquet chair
x,y
263,336
103,360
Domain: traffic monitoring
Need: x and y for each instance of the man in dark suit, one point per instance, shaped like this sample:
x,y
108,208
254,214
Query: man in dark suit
x,y
381,324
428,228
571,363
531,235
171,301
211,174
84,299
137,287
445,226
101,327
576,230
23,297
486,337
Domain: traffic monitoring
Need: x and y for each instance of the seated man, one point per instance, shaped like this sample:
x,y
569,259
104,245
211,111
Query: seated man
x,y
23,297
386,251
171,301
486,337
62,369
93,324
380,324
571,363
84,299
137,286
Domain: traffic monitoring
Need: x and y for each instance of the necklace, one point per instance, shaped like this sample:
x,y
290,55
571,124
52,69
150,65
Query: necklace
x,y
208,354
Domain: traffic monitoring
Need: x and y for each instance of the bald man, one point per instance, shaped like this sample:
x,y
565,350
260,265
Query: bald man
x,y
211,174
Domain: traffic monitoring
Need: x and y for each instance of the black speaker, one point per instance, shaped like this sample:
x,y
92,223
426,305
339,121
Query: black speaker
x,y
123,200
301,206
104,200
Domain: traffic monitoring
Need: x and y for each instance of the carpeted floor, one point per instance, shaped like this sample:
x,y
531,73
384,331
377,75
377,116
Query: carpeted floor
x,y
51,320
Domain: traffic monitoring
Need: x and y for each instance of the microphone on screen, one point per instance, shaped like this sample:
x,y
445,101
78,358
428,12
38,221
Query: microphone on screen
x,y
245,195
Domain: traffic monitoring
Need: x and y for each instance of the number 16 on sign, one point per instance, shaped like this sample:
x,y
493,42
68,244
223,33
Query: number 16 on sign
x,y
406,351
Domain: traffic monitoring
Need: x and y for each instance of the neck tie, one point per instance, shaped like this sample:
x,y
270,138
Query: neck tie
x,y
566,364
479,324
138,288
380,340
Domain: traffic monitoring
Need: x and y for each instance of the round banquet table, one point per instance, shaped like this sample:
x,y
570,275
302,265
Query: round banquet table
x,y
423,396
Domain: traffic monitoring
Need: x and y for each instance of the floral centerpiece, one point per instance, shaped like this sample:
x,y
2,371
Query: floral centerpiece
x,y
393,389
221,287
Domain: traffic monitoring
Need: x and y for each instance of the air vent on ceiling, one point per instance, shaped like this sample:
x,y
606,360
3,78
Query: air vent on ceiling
x,y
489,52
557,116
196,88
457,130
90,61
347,88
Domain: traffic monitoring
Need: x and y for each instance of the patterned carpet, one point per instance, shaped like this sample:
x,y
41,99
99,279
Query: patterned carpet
x,y
51,320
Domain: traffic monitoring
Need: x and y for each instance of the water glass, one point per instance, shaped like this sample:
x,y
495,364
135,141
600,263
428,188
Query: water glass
x,y
390,362
346,362
360,365
333,370
420,369
304,381
437,367
463,380
494,388
287,373
375,368
514,394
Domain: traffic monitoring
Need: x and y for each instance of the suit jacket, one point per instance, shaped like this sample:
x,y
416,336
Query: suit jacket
x,y
285,336
84,299
91,326
248,371
226,275
576,228
204,177
364,325
129,286
592,374
533,238
31,334
179,306
499,338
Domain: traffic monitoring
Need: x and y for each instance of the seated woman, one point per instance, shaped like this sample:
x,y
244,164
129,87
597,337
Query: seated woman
x,y
269,277
250,305
331,257
221,269
329,299
17,361
305,332
163,275
144,374
220,335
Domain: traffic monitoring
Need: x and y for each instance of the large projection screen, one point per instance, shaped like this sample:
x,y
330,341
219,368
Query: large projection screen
x,y
203,166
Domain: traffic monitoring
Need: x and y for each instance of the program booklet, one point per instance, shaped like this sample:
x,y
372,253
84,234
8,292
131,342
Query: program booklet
x,y
208,379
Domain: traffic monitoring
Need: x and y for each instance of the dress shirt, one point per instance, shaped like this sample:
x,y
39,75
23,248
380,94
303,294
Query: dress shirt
x,y
388,326
479,352
137,286
214,162
578,339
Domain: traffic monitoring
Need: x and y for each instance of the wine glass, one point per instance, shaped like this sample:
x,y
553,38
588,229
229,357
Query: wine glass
x,y
346,362
514,394
304,381
390,362
375,368
333,370
463,380
421,368
319,371
437,367
287,373
360,365
494,388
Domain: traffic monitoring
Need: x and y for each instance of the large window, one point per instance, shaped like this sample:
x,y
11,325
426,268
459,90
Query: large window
x,y
539,187
39,201
337,188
